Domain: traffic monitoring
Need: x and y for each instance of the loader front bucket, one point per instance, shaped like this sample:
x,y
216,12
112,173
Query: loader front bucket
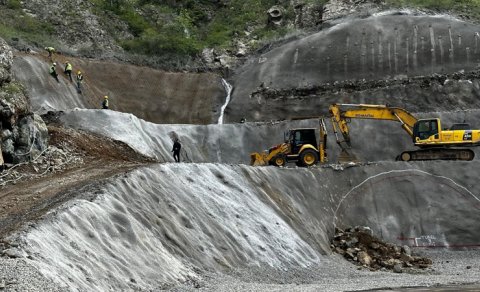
x,y
257,159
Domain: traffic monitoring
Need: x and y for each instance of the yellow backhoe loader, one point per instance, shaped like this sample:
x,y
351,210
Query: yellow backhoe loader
x,y
434,142
300,146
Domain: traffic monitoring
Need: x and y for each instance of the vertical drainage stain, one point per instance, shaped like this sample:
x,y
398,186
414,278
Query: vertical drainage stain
x,y
440,45
364,52
432,48
345,57
373,57
395,52
477,35
389,58
451,50
328,66
408,55
415,47
380,51
228,89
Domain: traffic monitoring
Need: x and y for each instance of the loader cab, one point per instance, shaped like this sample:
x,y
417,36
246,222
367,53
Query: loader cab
x,y
299,137
423,129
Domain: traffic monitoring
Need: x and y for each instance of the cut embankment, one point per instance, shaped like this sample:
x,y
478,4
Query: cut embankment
x,y
232,143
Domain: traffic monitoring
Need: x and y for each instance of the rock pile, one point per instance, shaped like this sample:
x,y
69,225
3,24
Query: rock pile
x,y
359,246
51,160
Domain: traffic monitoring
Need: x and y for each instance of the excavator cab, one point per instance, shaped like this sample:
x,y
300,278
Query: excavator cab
x,y
424,129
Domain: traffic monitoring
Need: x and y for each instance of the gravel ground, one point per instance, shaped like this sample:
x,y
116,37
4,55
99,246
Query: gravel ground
x,y
18,275
335,274
458,268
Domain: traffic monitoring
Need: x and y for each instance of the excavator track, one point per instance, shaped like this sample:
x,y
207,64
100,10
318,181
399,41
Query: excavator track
x,y
437,154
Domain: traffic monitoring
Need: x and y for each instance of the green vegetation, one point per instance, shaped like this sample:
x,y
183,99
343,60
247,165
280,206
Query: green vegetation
x,y
182,28
15,24
185,27
13,88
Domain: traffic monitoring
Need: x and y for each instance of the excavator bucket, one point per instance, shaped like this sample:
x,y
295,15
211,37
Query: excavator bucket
x,y
257,159
346,156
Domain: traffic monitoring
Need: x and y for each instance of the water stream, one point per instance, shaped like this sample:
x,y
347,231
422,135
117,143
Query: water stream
x,y
228,89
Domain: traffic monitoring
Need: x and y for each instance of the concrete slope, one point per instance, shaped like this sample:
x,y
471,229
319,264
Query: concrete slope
x,y
154,95
164,223
369,51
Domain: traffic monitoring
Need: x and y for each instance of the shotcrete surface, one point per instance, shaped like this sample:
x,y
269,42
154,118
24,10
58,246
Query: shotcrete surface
x,y
215,217
371,52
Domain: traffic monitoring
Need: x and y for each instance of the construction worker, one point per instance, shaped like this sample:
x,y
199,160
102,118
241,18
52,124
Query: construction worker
x,y
53,71
176,150
50,51
79,81
105,102
68,70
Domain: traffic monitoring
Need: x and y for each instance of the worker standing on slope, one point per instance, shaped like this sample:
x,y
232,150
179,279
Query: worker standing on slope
x,y
176,150
68,70
50,51
53,72
105,102
79,81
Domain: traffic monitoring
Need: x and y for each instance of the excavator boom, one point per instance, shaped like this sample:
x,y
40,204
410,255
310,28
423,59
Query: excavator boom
x,y
341,113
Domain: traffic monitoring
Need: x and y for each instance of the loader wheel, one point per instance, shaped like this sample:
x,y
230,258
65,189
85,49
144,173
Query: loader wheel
x,y
405,156
279,160
308,157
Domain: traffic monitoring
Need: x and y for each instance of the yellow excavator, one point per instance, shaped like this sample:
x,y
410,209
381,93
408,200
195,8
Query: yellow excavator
x,y
300,146
434,142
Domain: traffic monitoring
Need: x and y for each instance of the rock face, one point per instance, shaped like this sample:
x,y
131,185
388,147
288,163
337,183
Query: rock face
x,y
338,8
23,134
359,246
6,60
76,26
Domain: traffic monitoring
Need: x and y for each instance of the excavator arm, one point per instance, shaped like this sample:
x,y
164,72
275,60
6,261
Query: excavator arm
x,y
342,113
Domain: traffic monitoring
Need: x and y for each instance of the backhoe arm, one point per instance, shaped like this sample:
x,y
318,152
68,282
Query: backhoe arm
x,y
342,113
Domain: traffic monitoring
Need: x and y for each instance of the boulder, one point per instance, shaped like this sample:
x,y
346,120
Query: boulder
x,y
364,258
275,15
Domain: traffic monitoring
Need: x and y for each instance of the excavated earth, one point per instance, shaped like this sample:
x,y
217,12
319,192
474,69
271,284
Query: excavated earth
x,y
118,222
29,199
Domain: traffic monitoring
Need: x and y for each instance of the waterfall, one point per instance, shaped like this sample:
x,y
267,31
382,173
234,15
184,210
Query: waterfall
x,y
228,89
